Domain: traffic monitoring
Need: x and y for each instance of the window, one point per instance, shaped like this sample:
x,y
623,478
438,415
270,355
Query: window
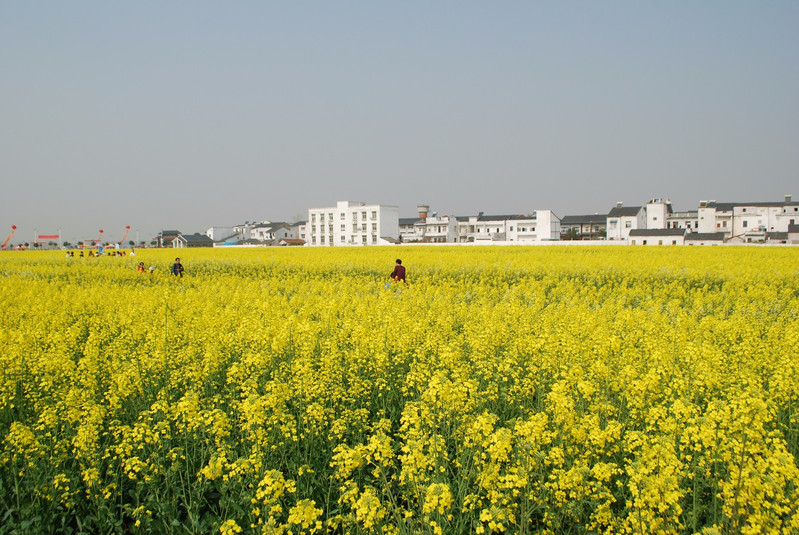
x,y
343,228
746,224
628,224
313,218
374,227
342,239
511,228
342,216
674,242
322,239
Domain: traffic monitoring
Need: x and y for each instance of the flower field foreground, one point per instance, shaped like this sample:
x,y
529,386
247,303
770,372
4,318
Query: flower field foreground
x,y
519,390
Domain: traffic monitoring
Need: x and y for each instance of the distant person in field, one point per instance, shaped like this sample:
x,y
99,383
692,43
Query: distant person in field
x,y
177,268
399,272
141,268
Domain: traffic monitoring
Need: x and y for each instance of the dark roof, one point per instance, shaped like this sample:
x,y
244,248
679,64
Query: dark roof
x,y
196,238
657,232
406,221
776,235
704,236
728,206
502,217
590,219
792,229
623,211
389,239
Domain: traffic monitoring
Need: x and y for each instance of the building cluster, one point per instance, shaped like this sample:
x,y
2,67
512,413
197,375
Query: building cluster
x,y
655,223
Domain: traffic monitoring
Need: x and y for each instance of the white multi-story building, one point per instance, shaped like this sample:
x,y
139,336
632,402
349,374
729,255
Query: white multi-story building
x,y
352,223
660,215
438,228
746,220
622,219
542,225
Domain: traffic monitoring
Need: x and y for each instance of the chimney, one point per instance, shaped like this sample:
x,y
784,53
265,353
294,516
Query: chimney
x,y
788,198
423,209
619,204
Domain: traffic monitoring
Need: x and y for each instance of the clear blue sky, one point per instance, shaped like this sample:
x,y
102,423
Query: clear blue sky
x,y
195,114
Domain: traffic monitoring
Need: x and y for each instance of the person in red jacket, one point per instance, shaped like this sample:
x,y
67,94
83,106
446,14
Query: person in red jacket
x,y
399,272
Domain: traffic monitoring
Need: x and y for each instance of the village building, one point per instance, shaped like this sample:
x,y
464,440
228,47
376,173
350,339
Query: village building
x,y
186,241
657,236
584,227
622,219
352,223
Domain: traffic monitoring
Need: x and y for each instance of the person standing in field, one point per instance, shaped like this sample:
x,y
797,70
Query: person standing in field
x,y
177,268
399,272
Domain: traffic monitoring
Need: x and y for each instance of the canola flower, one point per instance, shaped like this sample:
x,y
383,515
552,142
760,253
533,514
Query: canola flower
x,y
503,390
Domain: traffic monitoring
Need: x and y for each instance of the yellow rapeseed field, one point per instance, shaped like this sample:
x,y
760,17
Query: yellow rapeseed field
x,y
514,389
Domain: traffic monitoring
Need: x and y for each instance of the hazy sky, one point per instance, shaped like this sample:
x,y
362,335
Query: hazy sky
x,y
194,114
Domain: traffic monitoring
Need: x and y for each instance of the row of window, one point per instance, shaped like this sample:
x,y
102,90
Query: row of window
x,y
343,215
353,239
355,228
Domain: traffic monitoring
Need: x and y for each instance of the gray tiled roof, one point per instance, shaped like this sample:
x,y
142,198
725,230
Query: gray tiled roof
x,y
624,211
591,219
496,217
728,206
777,235
196,238
657,232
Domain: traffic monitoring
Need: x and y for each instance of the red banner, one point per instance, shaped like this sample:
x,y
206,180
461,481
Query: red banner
x,y
48,237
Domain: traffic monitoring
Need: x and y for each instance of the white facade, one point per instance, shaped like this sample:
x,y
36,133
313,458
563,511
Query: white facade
x,y
270,232
686,220
657,237
542,225
621,220
220,233
352,223
744,221
439,229
657,213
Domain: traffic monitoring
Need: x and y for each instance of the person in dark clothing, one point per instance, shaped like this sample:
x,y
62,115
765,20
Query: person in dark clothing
x,y
177,268
399,272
